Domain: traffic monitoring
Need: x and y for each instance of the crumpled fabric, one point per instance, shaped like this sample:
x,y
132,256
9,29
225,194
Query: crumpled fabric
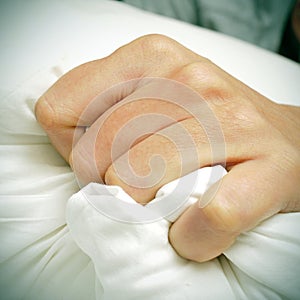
x,y
136,260
54,243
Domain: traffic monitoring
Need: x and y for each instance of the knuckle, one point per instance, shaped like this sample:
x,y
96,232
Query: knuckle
x,y
205,78
239,117
156,42
110,176
225,218
200,70
163,52
45,113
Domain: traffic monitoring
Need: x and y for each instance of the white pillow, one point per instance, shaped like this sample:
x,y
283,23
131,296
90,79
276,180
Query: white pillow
x,y
39,257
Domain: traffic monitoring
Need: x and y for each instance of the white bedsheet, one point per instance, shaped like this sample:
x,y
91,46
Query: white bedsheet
x,y
43,257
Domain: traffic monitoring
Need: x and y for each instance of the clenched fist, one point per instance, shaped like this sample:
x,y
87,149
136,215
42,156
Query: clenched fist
x,y
154,111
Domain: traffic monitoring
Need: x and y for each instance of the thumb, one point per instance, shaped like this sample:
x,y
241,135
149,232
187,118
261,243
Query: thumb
x,y
244,197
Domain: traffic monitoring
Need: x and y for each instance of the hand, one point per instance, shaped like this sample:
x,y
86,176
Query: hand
x,y
261,137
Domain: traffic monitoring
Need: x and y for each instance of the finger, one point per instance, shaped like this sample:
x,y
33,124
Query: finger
x,y
62,106
207,136
155,161
243,198
155,104
169,154
120,129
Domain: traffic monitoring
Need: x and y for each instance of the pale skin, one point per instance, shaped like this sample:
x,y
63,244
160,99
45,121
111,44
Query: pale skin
x,y
262,139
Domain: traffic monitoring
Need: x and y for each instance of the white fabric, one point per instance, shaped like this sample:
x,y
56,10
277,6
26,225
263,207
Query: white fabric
x,y
94,257
137,261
